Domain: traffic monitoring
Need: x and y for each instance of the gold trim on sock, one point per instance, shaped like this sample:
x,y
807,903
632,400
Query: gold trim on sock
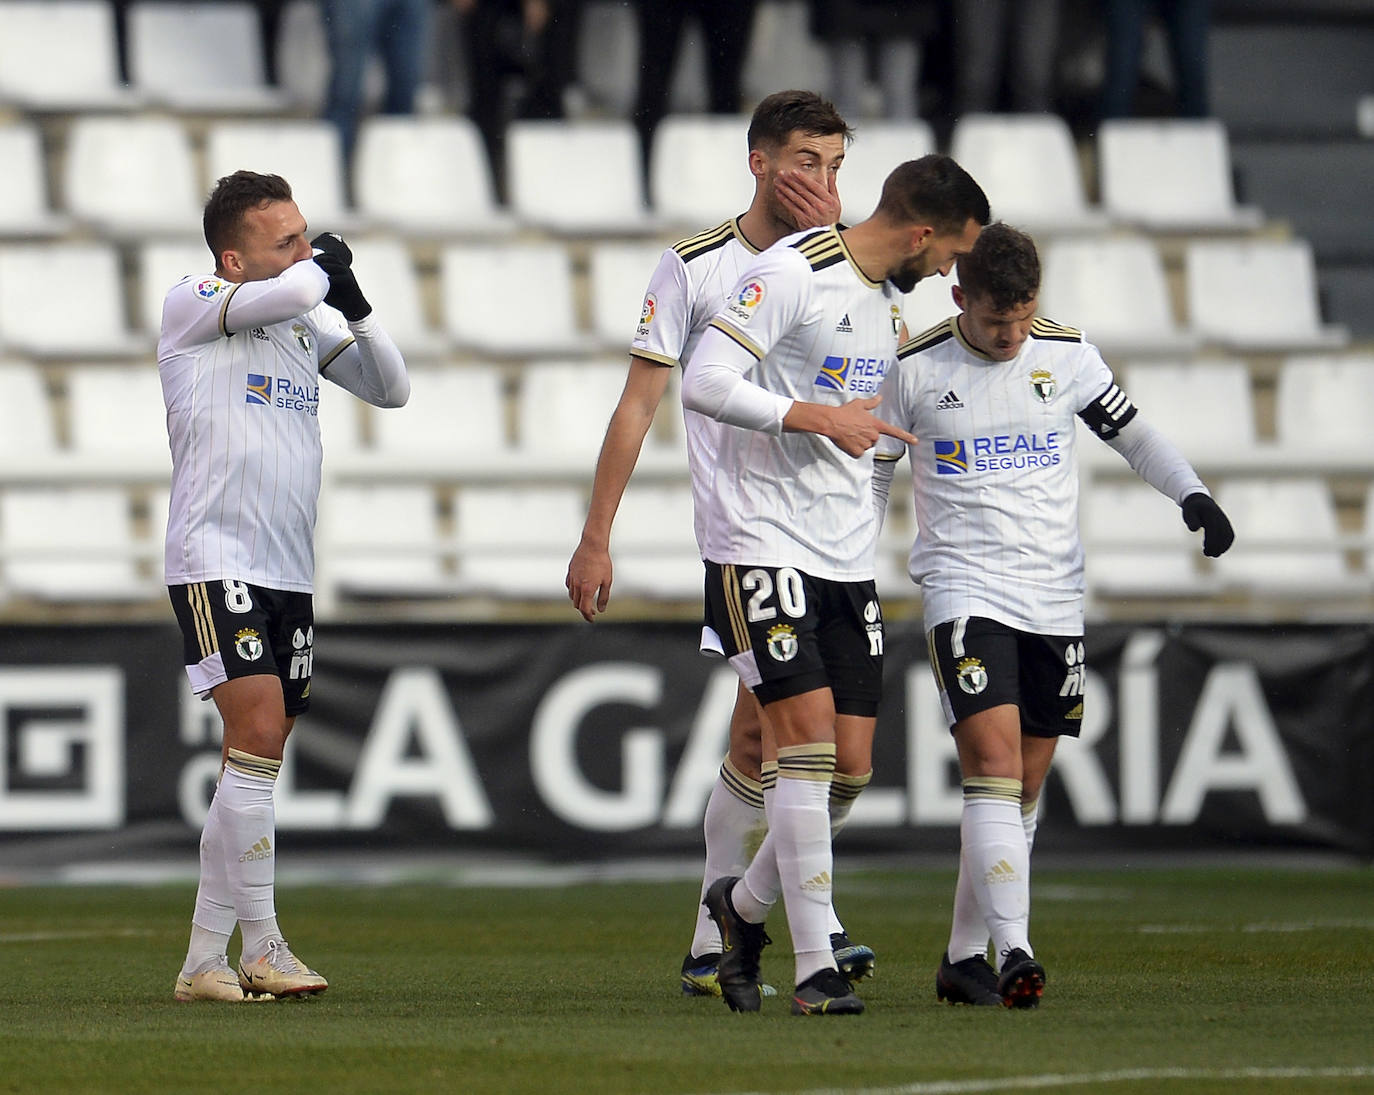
x,y
992,788
814,761
246,764
748,791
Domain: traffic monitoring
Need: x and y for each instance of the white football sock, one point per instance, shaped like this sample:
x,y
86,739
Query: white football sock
x,y
1030,819
249,835
996,859
212,922
734,826
759,888
844,790
801,833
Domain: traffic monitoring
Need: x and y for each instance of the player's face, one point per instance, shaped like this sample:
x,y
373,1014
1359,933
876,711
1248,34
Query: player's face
x,y
1000,335
934,253
817,157
272,239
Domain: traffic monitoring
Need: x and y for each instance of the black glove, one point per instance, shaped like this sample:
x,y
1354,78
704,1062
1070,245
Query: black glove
x,y
344,293
331,243
1200,512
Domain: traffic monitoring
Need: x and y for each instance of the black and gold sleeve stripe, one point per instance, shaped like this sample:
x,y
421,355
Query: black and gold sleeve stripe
x,y
224,312
340,348
1047,329
704,242
734,336
931,336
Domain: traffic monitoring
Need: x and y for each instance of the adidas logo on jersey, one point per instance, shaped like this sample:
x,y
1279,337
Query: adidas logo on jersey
x,y
949,402
844,324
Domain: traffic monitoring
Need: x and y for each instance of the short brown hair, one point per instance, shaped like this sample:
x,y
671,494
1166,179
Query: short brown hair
x,y
933,190
233,196
786,112
1003,268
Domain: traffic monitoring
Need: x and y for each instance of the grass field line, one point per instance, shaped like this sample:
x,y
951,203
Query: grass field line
x,y
1118,1076
1260,927
54,936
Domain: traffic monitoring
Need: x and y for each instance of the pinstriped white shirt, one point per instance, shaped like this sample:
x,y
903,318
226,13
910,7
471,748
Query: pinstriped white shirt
x,y
240,368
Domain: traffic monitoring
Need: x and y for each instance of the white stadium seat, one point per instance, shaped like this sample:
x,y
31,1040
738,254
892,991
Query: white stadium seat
x,y
161,265
1170,174
515,541
306,153
1028,167
1207,408
699,169
132,176
199,56
383,540
1286,532
512,299
577,178
620,275
40,287
562,409
456,417
1258,294
75,544
118,418
1321,406
1136,544
28,434
25,211
426,176
59,55
878,148
1114,290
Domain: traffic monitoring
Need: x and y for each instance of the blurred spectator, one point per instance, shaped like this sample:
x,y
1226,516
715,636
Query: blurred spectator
x,y
726,27
1186,24
399,31
1004,55
879,36
520,57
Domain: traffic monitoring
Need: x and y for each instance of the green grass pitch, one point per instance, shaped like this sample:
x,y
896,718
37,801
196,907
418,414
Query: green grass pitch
x,y
1198,980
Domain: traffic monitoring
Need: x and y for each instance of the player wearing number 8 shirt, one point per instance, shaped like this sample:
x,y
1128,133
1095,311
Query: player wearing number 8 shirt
x,y
993,394
790,365
241,355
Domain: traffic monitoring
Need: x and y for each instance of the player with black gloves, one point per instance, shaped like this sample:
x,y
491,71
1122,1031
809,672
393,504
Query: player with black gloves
x,y
993,394
241,355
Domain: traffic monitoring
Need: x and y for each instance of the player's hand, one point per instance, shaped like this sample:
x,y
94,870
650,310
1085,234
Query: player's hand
x,y
812,203
1201,512
856,429
344,293
589,580
331,243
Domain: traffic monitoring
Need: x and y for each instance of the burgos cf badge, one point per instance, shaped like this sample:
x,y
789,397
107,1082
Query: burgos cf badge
x,y
303,339
646,316
973,678
896,321
782,643
746,299
248,644
1043,385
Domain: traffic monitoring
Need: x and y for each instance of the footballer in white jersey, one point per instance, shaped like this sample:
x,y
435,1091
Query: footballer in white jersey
x,y
993,394
820,330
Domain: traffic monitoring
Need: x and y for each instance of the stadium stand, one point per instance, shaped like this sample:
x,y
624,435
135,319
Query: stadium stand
x,y
1168,242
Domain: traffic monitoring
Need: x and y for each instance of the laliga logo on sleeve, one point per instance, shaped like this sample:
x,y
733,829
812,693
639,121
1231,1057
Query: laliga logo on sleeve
x,y
209,288
646,316
747,298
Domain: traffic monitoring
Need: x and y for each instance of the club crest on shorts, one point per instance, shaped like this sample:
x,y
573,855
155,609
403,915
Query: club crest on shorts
x,y
1043,385
782,643
248,643
973,678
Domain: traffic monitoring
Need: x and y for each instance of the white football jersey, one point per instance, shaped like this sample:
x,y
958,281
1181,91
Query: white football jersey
x,y
995,473
694,278
243,426
822,332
